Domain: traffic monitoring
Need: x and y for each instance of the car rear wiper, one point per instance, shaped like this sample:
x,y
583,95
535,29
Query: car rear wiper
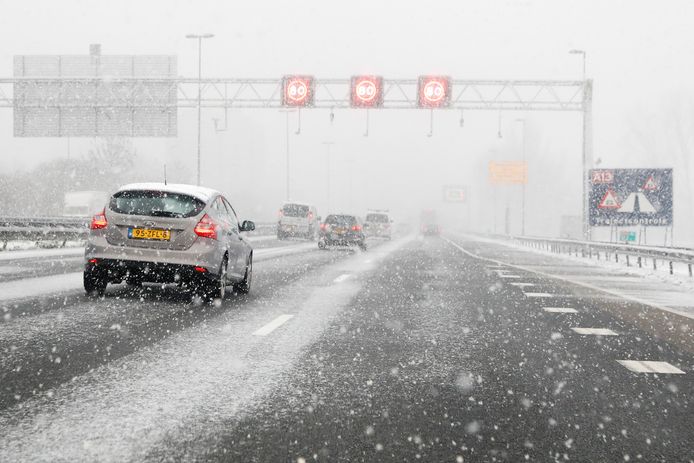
x,y
165,214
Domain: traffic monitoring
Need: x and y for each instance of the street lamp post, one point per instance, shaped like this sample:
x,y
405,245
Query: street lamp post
x,y
583,54
199,38
526,179
587,155
287,111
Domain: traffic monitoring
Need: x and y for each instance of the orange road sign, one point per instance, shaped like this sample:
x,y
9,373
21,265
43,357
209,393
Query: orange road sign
x,y
508,172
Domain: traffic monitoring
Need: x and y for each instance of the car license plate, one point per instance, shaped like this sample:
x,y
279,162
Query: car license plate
x,y
149,234
339,231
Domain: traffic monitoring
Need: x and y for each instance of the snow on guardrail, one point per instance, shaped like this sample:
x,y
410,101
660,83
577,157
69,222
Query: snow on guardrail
x,y
631,255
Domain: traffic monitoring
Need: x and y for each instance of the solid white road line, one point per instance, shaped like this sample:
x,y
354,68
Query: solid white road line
x,y
539,295
41,253
595,331
523,285
504,275
646,366
341,278
574,282
273,325
560,310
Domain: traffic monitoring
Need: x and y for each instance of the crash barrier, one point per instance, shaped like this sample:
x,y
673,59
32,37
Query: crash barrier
x,y
63,229
630,255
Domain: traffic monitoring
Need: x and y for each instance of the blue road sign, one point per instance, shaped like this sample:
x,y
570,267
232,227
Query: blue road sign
x,y
620,197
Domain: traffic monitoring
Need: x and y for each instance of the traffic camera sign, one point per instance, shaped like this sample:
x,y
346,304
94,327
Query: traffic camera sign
x,y
297,91
434,91
366,92
623,197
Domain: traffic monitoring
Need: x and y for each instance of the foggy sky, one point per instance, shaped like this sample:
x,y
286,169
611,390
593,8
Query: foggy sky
x,y
639,55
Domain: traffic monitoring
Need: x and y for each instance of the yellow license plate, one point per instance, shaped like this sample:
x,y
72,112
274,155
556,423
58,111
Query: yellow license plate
x,y
339,231
149,234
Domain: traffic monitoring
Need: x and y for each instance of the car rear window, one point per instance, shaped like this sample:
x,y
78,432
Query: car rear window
x,y
341,220
380,218
155,204
295,210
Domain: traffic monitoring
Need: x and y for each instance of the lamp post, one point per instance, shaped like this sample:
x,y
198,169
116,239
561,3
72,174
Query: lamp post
x,y
199,38
286,112
583,54
587,155
525,165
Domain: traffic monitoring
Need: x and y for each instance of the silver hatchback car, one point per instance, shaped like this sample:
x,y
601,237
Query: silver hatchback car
x,y
152,232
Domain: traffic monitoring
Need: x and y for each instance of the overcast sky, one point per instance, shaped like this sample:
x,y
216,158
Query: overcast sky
x,y
639,53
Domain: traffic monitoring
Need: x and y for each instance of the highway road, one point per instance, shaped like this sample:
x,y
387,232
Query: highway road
x,y
449,348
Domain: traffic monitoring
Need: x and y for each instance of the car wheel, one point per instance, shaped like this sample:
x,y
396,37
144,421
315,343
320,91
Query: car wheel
x,y
94,283
321,244
216,289
245,286
362,245
280,236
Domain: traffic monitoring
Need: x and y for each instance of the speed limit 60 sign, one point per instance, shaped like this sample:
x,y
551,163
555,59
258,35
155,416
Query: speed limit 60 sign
x,y
434,91
366,92
297,91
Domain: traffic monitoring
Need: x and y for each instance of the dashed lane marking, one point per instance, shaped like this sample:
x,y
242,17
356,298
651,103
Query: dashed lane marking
x,y
505,275
539,295
560,310
573,282
522,285
341,278
273,325
647,366
595,331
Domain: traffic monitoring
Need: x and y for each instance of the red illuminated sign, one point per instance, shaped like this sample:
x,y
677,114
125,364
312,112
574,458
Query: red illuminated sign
x,y
434,91
297,91
366,92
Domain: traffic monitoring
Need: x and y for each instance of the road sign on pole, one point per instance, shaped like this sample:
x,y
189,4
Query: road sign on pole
x,y
508,172
620,197
454,194
297,91
366,92
433,91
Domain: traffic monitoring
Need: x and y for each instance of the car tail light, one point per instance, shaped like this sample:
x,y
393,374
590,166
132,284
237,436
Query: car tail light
x,y
356,227
99,221
200,269
206,228
94,261
324,226
280,213
310,215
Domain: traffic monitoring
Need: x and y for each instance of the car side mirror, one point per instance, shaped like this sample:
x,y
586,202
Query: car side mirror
x,y
247,225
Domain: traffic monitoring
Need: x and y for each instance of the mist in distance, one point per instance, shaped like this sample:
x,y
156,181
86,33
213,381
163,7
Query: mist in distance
x,y
636,56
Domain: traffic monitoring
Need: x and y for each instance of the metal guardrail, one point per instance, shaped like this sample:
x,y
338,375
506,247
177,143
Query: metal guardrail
x,y
63,229
630,255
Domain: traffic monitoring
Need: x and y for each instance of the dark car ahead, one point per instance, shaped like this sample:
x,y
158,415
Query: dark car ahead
x,y
428,223
342,230
183,234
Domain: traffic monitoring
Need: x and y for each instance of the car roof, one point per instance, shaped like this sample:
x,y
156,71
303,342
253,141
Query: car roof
x,y
297,203
199,192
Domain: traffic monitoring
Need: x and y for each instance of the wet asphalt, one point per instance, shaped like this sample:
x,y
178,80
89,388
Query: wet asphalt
x,y
436,357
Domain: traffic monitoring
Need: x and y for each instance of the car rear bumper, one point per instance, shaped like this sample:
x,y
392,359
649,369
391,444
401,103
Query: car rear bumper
x,y
343,240
116,271
291,229
204,252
